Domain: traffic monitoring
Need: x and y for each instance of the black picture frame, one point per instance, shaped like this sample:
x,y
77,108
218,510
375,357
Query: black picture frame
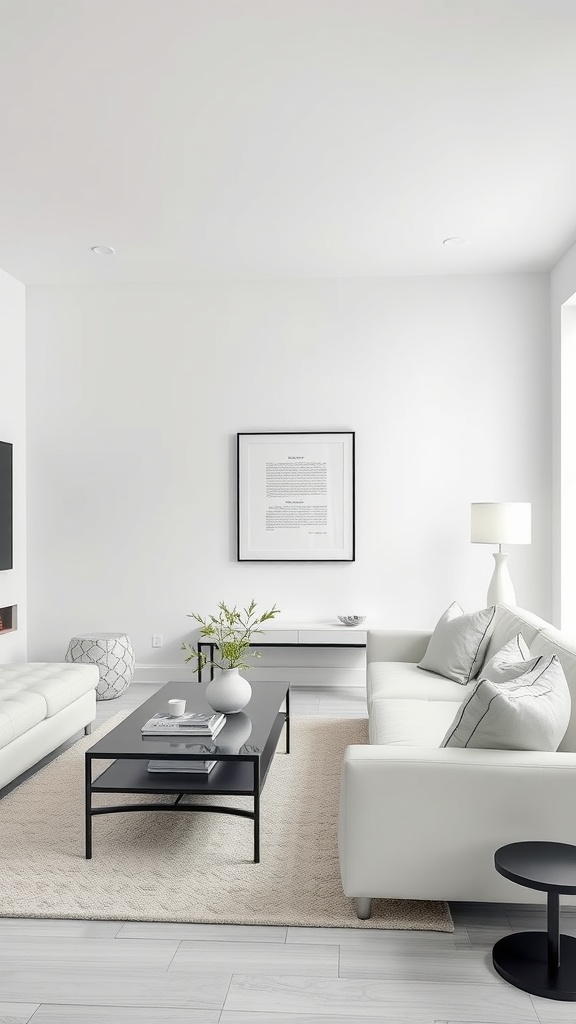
x,y
296,496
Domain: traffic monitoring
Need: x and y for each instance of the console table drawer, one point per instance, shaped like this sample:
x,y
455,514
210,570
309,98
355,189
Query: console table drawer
x,y
347,635
276,636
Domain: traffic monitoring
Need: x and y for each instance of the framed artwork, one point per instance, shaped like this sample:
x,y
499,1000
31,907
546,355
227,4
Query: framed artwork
x,y
296,496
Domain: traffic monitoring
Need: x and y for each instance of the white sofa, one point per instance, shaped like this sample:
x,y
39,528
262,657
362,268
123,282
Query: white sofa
x,y
41,706
422,822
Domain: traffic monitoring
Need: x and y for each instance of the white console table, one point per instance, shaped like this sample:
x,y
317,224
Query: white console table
x,y
300,634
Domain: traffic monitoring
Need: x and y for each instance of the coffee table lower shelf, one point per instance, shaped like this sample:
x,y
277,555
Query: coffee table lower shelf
x,y
233,775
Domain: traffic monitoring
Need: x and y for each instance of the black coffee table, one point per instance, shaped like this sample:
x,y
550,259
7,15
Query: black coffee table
x,y
243,750
543,963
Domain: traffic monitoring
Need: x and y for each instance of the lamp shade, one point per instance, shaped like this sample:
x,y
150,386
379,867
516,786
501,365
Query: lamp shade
x,y
498,522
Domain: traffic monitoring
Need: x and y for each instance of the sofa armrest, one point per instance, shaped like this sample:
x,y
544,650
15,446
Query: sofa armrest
x,y
396,644
419,823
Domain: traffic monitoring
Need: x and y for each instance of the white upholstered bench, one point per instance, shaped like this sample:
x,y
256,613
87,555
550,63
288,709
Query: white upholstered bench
x,y
42,705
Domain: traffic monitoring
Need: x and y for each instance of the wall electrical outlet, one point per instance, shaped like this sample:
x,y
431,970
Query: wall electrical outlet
x,y
157,639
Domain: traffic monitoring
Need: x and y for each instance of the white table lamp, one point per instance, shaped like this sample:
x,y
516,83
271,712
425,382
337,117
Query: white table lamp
x,y
496,522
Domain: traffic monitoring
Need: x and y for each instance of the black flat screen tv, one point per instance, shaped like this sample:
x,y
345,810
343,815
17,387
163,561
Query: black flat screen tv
x,y
6,505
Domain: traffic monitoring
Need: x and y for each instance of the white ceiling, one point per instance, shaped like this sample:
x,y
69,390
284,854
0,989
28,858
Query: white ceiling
x,y
256,138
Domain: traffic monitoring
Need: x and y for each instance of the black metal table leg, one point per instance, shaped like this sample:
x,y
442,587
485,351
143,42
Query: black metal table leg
x,y
256,764
288,720
88,805
211,649
553,930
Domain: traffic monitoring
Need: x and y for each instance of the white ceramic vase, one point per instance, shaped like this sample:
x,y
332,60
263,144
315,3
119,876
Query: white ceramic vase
x,y
229,692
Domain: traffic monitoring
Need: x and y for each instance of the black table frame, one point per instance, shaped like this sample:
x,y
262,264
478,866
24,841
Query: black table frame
x,y
111,780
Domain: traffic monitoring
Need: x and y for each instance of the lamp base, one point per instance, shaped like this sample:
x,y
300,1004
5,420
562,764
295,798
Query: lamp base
x,y
501,589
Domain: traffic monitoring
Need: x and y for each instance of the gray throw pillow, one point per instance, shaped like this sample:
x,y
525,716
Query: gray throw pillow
x,y
458,644
530,712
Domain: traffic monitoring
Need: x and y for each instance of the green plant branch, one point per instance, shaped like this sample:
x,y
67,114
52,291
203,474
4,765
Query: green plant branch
x,y
231,631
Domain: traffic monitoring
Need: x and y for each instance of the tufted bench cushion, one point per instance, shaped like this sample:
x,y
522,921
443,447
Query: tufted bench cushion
x,y
19,712
56,684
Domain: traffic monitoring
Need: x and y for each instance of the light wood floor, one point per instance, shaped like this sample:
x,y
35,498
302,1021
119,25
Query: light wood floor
x,y
101,972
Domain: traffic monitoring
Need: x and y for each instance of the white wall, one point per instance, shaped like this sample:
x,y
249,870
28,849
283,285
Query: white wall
x,y
13,428
567,489
562,289
135,396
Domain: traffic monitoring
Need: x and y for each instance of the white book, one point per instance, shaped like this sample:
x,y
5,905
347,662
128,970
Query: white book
x,y
182,767
189,734
192,723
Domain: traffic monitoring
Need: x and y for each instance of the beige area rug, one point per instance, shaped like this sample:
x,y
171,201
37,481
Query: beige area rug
x,y
194,867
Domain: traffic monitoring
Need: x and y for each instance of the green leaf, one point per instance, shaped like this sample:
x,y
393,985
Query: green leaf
x,y
231,632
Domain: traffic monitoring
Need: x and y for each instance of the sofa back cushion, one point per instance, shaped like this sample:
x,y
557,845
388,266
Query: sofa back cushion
x,y
508,623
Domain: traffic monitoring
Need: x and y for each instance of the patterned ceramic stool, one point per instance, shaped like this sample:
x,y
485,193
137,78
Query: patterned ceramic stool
x,y
114,655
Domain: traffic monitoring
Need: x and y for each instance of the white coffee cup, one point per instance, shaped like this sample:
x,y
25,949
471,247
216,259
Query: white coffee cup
x,y
176,707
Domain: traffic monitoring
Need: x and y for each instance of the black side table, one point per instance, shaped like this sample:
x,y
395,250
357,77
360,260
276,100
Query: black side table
x,y
543,963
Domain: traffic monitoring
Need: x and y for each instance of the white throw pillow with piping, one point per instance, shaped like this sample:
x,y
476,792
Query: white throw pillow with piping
x,y
509,662
458,644
530,712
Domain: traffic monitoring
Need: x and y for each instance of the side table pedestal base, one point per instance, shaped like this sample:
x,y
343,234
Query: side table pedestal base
x,y
522,960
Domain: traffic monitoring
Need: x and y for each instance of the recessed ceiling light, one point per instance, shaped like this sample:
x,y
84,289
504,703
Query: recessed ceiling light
x,y
455,240
103,250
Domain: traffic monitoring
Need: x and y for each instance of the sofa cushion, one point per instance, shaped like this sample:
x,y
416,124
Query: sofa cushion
x,y
59,684
509,622
18,713
403,679
410,723
459,642
552,641
530,712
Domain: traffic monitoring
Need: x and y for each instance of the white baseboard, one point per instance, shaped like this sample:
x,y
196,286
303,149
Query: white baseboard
x,y
313,676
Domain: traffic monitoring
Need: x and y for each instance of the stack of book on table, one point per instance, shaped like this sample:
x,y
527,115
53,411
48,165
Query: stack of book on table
x,y
191,724
182,767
